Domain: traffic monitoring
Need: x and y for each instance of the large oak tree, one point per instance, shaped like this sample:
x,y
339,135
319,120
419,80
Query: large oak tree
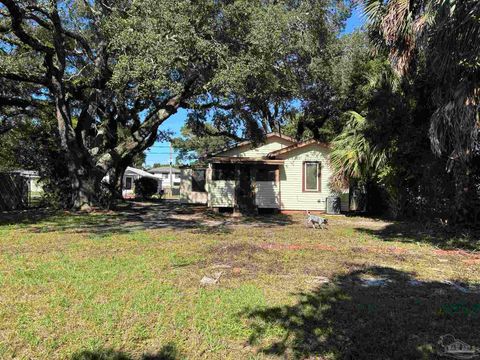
x,y
111,72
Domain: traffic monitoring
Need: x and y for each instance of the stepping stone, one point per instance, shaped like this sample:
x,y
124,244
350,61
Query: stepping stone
x,y
415,283
374,282
319,280
206,280
466,290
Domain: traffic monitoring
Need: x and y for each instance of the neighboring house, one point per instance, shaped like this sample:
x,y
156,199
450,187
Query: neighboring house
x,y
131,174
164,173
279,174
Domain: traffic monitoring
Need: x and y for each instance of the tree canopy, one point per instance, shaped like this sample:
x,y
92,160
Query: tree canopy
x,y
111,72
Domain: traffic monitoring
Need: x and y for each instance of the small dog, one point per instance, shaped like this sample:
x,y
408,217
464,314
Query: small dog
x,y
316,220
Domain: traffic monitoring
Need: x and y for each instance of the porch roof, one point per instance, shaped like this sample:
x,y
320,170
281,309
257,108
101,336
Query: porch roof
x,y
243,160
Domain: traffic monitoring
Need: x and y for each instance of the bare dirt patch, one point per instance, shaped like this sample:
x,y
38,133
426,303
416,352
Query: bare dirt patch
x,y
297,247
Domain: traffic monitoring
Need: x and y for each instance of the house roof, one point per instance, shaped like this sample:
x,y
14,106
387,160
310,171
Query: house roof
x,y
243,160
25,173
164,169
248,142
140,172
194,166
295,146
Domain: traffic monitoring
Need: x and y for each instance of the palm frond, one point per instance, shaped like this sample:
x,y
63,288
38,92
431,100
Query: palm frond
x,y
447,33
353,157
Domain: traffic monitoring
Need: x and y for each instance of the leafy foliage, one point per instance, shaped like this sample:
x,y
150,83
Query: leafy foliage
x,y
36,146
433,45
114,71
444,37
353,155
192,148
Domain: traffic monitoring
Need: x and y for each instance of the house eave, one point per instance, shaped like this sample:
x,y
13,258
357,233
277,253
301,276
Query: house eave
x,y
243,160
250,142
296,146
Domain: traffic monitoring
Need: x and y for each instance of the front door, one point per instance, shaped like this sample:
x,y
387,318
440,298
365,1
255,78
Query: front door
x,y
244,192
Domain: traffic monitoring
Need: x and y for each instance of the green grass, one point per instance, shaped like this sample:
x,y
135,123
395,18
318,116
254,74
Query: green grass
x,y
73,289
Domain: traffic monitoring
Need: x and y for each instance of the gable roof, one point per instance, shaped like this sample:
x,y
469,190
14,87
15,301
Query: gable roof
x,y
140,172
295,146
248,142
164,169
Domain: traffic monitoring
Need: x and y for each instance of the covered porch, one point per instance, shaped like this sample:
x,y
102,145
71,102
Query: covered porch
x,y
245,185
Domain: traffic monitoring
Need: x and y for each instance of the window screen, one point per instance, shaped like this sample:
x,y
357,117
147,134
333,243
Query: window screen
x,y
266,174
223,172
198,180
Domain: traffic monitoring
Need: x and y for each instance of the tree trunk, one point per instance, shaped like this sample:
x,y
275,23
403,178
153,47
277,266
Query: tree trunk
x,y
116,181
87,171
86,192
85,177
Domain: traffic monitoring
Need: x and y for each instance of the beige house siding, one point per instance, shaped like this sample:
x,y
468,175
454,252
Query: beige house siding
x,y
286,194
221,193
292,195
271,144
187,196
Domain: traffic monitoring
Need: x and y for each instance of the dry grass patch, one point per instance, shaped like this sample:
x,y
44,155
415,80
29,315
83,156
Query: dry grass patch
x,y
91,287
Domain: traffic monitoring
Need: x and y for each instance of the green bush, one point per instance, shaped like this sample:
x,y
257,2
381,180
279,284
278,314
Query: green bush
x,y
146,187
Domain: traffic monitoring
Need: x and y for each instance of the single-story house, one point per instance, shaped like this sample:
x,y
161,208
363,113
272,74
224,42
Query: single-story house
x,y
280,174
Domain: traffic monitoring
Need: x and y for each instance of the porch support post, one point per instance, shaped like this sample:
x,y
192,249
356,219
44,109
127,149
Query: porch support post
x,y
253,186
236,208
277,180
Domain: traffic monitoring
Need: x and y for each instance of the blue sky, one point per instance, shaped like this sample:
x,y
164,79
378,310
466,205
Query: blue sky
x,y
160,152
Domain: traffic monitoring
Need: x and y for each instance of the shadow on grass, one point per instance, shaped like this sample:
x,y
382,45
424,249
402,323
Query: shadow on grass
x,y
168,352
399,318
445,238
136,216
26,217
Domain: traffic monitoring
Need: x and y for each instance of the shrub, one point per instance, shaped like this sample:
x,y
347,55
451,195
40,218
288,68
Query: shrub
x,y
146,187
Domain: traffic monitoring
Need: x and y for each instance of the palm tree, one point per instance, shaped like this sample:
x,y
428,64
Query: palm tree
x,y
443,35
354,159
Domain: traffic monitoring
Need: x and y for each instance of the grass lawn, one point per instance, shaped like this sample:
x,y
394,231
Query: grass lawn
x,y
127,286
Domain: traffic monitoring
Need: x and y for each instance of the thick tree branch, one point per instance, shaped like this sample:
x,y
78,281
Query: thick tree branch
x,y
19,102
209,105
33,79
45,24
58,38
16,16
223,133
